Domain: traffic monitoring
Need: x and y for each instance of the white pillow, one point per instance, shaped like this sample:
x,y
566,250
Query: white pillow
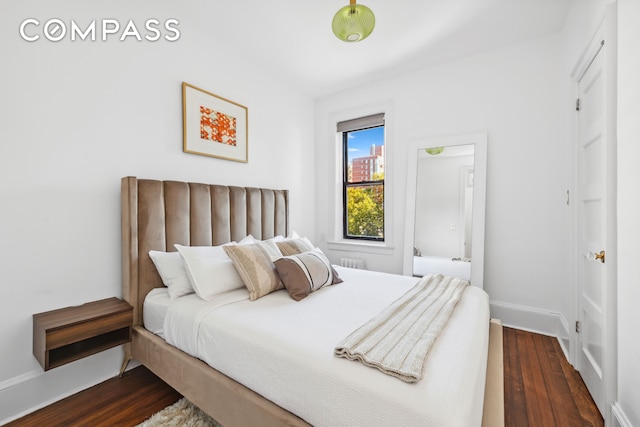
x,y
171,269
295,235
247,240
210,270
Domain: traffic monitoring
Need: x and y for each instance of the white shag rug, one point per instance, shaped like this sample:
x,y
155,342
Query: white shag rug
x,y
181,414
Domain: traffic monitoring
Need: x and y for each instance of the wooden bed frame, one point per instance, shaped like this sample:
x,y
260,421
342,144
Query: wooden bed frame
x,y
158,214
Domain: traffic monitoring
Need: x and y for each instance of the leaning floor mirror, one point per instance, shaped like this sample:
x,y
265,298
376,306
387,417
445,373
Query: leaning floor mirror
x,y
444,227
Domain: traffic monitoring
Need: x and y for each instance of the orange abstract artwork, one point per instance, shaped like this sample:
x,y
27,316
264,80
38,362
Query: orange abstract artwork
x,y
217,127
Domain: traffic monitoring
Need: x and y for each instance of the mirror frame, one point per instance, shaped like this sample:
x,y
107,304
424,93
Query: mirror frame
x,y
479,198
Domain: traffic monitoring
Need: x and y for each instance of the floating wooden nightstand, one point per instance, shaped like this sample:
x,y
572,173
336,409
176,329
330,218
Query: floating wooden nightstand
x,y
68,334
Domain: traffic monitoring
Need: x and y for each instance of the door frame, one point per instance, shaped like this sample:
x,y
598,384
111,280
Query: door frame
x,y
607,32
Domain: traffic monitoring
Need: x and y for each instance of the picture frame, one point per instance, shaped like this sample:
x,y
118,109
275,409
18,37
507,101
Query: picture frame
x,y
214,126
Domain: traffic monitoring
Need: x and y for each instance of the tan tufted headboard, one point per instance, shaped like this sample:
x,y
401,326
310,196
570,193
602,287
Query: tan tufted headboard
x,y
158,214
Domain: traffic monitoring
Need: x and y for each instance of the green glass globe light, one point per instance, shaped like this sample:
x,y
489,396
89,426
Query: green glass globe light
x,y
353,23
434,151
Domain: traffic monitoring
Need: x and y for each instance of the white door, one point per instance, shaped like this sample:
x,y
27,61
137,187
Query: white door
x,y
592,230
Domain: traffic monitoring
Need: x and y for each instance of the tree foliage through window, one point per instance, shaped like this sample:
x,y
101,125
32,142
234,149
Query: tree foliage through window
x,y
365,209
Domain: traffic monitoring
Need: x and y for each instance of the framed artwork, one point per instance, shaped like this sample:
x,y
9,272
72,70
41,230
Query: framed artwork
x,y
213,126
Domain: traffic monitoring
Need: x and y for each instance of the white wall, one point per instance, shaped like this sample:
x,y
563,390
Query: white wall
x,y
518,94
628,210
77,116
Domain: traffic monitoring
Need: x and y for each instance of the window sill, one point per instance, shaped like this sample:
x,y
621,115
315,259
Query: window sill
x,y
361,246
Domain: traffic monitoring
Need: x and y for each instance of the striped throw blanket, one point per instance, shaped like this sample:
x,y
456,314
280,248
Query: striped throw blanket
x,y
397,341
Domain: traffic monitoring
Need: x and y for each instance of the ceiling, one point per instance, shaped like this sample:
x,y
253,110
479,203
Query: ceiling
x,y
293,38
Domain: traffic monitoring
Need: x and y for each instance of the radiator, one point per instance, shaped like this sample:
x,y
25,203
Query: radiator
x,y
352,262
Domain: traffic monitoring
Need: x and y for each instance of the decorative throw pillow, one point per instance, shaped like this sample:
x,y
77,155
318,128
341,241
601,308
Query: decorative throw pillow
x,y
254,265
294,246
172,272
305,273
271,248
210,270
268,245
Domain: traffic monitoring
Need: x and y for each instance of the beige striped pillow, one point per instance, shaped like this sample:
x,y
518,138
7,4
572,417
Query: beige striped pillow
x,y
294,246
256,269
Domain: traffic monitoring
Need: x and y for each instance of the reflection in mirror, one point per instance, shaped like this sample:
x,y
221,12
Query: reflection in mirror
x,y
444,227
444,211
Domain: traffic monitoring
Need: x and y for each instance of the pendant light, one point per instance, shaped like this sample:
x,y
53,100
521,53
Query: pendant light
x,y
434,151
353,23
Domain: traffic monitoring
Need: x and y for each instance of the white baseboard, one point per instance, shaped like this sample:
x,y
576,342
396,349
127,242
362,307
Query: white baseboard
x,y
563,337
30,391
533,319
19,379
619,417
527,318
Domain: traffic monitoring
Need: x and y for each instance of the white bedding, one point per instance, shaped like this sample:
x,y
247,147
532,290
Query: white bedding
x,y
283,350
155,309
426,264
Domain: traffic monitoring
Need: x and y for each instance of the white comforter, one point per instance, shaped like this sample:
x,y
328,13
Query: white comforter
x,y
283,350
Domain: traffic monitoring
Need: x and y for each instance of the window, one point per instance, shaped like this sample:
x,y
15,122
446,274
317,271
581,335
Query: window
x,y
363,177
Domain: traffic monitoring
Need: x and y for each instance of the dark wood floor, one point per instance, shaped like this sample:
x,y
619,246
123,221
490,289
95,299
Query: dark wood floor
x,y
125,402
541,389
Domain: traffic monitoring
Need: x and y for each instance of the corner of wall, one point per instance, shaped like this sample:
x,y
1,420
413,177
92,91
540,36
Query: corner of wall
x,y
564,337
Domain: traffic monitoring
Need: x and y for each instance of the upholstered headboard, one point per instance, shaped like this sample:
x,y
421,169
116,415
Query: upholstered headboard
x,y
158,214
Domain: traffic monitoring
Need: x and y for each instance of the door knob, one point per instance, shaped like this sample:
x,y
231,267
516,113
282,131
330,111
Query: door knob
x,y
596,256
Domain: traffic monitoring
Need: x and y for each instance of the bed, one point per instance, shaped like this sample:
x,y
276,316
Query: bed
x,y
428,264
158,214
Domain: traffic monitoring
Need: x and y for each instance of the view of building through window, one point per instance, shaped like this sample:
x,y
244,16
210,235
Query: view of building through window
x,y
364,183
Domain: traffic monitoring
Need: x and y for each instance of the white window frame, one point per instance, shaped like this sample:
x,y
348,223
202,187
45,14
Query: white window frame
x,y
336,241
